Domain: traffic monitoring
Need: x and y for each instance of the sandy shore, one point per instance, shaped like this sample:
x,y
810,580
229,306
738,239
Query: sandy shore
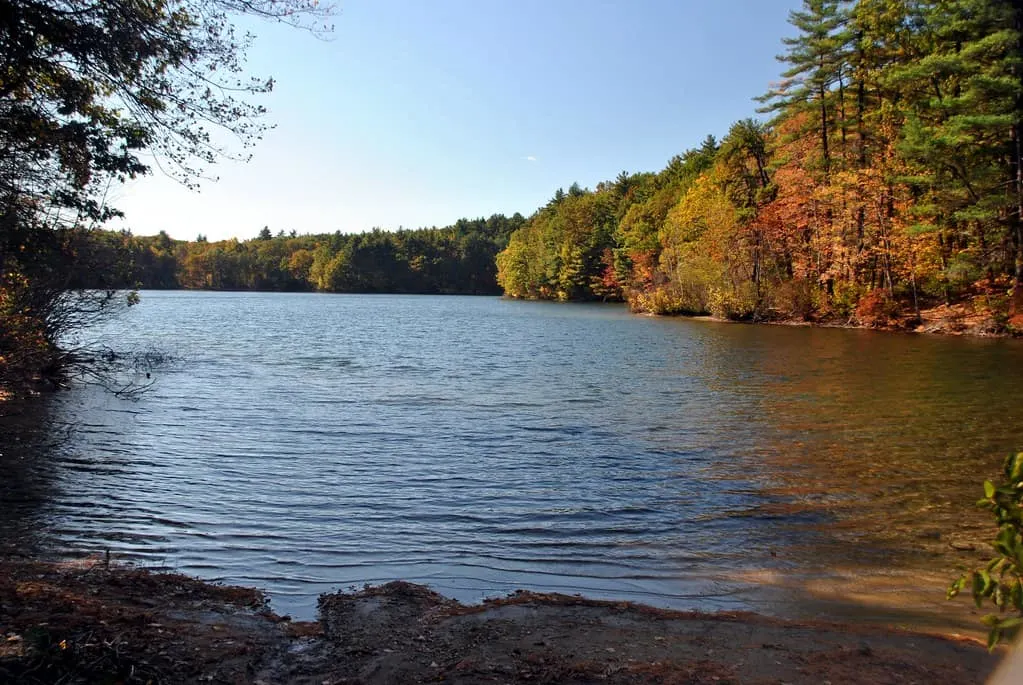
x,y
87,622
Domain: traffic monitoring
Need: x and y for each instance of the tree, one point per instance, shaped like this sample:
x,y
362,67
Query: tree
x,y
963,110
746,182
816,57
88,88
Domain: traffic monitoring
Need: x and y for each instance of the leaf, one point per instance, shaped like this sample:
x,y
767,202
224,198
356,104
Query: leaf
x,y
989,489
1016,471
978,590
987,584
992,639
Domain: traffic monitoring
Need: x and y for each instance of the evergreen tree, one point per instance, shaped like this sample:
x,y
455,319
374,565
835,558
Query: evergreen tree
x,y
817,59
961,104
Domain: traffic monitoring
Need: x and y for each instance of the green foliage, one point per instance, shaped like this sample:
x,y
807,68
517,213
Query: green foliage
x,y
456,259
565,250
1000,581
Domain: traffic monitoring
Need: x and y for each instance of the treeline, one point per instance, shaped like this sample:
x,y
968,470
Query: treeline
x,y
888,179
458,259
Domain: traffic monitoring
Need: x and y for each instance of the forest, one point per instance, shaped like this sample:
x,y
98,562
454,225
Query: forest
x,y
457,259
883,177
880,177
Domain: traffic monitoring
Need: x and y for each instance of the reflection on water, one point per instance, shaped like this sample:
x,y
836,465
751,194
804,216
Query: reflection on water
x,y
29,437
304,443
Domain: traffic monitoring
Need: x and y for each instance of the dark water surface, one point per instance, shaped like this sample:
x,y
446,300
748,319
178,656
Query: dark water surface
x,y
304,443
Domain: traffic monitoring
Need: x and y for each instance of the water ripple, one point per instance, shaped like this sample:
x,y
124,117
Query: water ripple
x,y
308,443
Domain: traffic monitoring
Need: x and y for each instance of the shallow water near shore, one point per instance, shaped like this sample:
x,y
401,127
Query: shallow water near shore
x,y
304,443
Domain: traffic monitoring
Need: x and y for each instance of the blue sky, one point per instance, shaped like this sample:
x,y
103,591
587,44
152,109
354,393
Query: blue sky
x,y
418,113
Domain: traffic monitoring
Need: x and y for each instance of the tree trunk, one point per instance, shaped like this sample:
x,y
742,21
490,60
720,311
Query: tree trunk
x,y
841,115
826,154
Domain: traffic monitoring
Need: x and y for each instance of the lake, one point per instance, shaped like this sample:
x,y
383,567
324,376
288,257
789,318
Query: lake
x,y
304,443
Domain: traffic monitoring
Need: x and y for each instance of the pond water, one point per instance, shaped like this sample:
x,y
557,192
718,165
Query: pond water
x,y
304,443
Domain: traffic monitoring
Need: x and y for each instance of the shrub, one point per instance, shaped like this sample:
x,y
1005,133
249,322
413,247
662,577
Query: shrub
x,y
878,309
845,298
670,300
735,303
798,298
1000,581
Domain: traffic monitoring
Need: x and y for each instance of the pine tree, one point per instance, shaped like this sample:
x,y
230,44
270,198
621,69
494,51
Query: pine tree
x,y
817,59
961,103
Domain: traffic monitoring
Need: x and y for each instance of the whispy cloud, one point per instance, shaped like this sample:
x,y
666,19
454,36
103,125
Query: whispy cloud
x,y
529,158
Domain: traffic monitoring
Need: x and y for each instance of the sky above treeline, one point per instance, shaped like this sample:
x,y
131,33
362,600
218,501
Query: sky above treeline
x,y
418,113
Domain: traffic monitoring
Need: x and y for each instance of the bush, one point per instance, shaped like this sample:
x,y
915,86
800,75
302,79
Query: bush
x,y
798,298
878,309
670,300
845,298
735,303
1000,581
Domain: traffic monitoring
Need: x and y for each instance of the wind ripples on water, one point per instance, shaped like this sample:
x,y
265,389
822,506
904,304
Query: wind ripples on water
x,y
307,443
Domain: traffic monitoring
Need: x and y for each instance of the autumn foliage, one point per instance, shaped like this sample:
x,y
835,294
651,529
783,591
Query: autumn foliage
x,y
885,182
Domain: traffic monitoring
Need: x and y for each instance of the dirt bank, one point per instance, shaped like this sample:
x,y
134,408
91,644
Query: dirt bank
x,y
89,623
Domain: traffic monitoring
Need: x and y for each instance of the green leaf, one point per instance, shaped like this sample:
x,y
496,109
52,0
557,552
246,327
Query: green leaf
x,y
991,620
988,584
989,489
992,639
1010,623
1016,471
978,590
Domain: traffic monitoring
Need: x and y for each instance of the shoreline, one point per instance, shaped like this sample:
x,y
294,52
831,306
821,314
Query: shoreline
x,y
960,320
938,321
90,620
